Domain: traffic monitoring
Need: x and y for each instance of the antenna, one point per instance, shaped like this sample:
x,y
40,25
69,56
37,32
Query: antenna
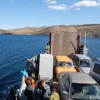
x,y
85,39
85,50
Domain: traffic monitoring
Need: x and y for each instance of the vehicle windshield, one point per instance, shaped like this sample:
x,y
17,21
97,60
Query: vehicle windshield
x,y
85,63
85,92
66,64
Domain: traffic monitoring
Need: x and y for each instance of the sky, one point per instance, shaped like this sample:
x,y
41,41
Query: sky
x,y
37,13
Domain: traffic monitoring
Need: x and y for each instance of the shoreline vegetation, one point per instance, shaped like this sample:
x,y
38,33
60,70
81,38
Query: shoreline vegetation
x,y
92,30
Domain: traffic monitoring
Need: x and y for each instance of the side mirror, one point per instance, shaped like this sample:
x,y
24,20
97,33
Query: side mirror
x,y
64,92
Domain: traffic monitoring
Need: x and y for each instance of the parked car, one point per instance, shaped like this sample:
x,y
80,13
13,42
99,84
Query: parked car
x,y
78,86
63,64
83,62
95,70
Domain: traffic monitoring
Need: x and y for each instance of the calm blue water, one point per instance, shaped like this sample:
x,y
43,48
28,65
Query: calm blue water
x,y
15,49
93,44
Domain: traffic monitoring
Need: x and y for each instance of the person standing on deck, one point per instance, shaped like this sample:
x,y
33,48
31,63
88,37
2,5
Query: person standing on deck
x,y
22,89
33,83
29,91
54,95
43,90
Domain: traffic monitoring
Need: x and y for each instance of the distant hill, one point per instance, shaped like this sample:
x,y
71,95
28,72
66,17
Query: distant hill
x,y
93,30
3,31
27,30
31,30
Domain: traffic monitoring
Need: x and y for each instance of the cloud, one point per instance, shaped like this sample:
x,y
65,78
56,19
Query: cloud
x,y
54,5
87,3
58,7
50,1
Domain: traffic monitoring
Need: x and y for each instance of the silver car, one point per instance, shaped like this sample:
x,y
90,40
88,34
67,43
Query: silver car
x,y
95,70
83,62
78,86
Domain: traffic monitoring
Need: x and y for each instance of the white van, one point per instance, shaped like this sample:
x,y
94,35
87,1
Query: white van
x,y
83,62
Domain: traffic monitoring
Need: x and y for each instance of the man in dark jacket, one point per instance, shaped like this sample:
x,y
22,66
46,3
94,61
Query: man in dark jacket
x,y
29,91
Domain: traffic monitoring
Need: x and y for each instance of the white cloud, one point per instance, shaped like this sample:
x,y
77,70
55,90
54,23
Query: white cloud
x,y
87,3
54,5
58,7
50,1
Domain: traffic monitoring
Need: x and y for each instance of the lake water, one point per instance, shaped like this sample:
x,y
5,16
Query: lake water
x,y
93,44
15,49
